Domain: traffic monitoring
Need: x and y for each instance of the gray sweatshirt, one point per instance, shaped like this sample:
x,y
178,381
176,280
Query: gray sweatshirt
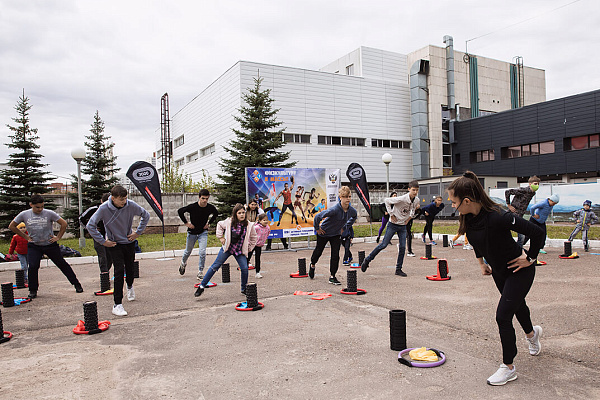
x,y
117,221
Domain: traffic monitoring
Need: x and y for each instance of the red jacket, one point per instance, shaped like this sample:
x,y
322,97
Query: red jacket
x,y
19,243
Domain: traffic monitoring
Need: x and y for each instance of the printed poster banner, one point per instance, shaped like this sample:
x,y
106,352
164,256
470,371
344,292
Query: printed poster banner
x,y
291,197
145,178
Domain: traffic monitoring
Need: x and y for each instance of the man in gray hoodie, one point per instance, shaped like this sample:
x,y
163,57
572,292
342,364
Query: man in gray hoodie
x,y
117,215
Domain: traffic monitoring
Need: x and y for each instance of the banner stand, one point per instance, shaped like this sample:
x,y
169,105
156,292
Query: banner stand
x,y
165,258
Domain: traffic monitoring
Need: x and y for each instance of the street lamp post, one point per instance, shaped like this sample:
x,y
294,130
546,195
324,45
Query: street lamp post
x,y
387,159
78,155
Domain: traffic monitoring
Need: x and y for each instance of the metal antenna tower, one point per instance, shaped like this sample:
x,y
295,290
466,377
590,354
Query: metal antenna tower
x,y
165,135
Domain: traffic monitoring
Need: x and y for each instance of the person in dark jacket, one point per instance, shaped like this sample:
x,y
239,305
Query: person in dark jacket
x,y
512,268
104,260
430,211
329,226
202,215
521,197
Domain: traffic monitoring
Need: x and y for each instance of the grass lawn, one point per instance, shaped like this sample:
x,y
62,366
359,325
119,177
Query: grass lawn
x,y
176,241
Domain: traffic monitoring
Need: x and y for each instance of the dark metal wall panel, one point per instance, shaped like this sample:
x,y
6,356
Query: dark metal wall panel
x,y
553,120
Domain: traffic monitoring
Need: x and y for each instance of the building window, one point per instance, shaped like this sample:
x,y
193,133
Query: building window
x,y
502,185
582,142
179,163
482,155
207,151
340,141
178,142
296,138
526,150
350,69
192,157
392,144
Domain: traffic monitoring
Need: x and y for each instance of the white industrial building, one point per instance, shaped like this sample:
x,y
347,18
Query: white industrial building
x,y
355,109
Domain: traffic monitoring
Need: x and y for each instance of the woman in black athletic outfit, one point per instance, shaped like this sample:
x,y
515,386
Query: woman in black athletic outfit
x,y
488,229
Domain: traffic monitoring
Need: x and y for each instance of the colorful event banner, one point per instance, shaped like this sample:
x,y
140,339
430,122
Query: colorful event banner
x,y
292,196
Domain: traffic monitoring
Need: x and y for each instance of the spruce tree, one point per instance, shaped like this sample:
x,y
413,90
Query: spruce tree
x,y
100,166
25,174
257,144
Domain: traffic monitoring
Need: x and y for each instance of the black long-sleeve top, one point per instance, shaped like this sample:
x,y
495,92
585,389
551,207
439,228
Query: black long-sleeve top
x,y
198,216
490,235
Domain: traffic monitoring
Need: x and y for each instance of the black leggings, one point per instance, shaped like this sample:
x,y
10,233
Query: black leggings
x,y
513,287
428,230
334,260
257,252
409,235
123,257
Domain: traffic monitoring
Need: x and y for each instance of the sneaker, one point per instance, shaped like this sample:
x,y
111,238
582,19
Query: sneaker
x,y
119,310
451,243
258,275
311,272
364,265
502,376
182,268
346,262
200,276
534,343
78,288
249,266
333,280
543,252
199,291
467,247
243,292
32,295
377,240
130,294
350,260
410,254
433,243
401,273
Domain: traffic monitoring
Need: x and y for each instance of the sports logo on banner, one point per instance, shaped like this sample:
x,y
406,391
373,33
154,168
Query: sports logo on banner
x,y
358,180
291,197
145,178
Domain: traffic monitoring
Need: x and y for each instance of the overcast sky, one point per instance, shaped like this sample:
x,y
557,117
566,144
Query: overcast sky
x,y
119,57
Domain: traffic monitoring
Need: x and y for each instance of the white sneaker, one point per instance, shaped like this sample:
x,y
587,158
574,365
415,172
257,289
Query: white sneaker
x,y
130,294
410,254
200,276
119,310
534,343
451,243
258,275
467,247
182,267
502,376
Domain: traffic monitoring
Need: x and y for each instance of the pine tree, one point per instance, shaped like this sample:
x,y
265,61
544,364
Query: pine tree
x,y
100,166
257,144
25,174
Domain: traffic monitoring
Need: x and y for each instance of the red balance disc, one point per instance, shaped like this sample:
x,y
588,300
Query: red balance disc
x,y
80,328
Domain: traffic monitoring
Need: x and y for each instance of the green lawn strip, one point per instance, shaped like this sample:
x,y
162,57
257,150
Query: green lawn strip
x,y
176,241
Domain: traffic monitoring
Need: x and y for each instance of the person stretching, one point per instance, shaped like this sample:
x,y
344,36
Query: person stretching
x,y
238,238
329,225
430,211
512,268
401,210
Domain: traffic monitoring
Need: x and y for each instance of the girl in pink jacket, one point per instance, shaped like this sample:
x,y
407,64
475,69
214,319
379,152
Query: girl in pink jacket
x,y
238,238
262,233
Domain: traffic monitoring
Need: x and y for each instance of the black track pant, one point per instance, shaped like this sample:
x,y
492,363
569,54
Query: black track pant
x,y
123,257
513,287
428,230
334,260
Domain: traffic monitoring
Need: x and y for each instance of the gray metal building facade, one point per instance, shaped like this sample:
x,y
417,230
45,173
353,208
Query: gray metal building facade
x,y
556,140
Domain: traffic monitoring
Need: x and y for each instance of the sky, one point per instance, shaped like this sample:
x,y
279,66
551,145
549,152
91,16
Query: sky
x,y
73,58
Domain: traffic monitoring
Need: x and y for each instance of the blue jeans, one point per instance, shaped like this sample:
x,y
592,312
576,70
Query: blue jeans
x,y
391,230
220,260
190,242
24,264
